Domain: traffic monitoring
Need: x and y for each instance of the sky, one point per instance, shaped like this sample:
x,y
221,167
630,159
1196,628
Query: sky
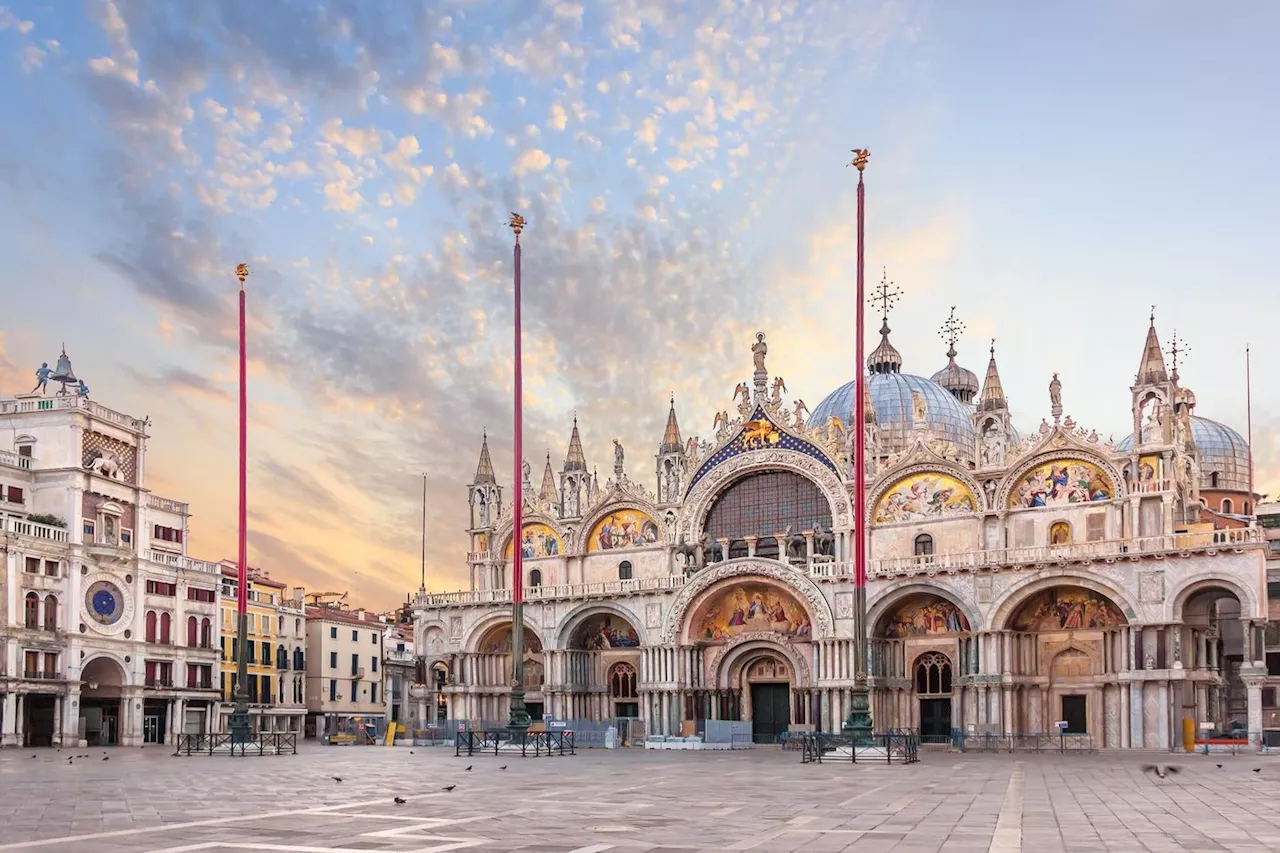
x,y
1052,170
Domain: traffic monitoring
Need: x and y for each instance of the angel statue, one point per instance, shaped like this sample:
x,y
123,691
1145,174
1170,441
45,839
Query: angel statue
x,y
802,413
744,391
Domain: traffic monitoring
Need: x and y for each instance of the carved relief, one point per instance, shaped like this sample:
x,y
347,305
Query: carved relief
x,y
844,605
794,656
653,615
109,457
1151,587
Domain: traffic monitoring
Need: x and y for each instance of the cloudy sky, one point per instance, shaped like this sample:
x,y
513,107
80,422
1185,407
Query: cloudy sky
x,y
1050,171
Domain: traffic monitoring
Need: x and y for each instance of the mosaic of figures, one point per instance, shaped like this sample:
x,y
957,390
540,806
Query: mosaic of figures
x,y
627,528
1148,469
925,496
1065,481
605,632
537,540
1067,608
925,615
752,608
497,641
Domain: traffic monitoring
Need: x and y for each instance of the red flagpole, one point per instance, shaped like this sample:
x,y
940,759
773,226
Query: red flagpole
x,y
518,720
239,720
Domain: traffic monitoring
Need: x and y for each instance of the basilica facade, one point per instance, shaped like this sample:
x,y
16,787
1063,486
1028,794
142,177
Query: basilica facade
x,y
1017,580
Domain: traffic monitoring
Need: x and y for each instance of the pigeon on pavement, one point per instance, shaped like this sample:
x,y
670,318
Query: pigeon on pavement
x,y
1160,770
336,778
400,801
449,787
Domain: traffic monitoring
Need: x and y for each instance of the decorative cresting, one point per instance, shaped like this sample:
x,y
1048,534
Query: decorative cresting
x,y
1007,605
760,432
698,501
748,567
1068,451
582,540
740,647
924,493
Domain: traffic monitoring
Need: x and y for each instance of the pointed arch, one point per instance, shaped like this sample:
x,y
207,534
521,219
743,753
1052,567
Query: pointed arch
x,y
581,543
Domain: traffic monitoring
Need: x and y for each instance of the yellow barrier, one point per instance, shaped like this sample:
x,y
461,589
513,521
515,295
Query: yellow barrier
x,y
1188,734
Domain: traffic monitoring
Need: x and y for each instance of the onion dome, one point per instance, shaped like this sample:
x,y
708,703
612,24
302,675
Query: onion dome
x,y
961,382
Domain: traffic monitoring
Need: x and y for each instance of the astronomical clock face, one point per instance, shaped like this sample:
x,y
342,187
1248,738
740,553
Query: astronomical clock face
x,y
107,607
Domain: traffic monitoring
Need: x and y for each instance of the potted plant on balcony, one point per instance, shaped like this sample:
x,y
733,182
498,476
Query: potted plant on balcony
x,y
46,518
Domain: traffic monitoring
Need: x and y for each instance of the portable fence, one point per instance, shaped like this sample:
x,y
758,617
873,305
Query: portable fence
x,y
223,743
1040,742
506,742
900,746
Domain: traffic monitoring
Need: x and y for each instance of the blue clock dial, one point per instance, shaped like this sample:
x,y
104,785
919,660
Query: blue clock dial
x,y
105,602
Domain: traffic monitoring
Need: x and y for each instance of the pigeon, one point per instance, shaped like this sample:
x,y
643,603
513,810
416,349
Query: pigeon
x,y
448,787
400,801
1160,770
468,768
1219,766
503,767
411,752
106,758
1257,770
336,778
36,756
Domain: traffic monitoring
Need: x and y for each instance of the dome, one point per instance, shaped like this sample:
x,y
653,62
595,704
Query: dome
x,y
960,381
1223,451
947,418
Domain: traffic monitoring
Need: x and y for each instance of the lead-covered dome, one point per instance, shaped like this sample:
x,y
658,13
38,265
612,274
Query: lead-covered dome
x,y
1224,454
945,417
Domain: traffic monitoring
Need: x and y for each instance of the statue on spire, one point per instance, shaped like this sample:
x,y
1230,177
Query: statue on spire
x,y
1055,398
758,351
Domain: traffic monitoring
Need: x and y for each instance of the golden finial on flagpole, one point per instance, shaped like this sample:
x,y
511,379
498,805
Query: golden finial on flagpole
x,y
242,272
860,156
516,223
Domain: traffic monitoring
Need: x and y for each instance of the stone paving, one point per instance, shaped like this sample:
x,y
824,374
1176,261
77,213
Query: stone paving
x,y
145,801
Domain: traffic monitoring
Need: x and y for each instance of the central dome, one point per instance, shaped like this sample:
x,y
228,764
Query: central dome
x,y
945,417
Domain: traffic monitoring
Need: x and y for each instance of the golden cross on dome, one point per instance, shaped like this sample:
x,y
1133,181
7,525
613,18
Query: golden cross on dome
x,y
886,294
951,331
1177,347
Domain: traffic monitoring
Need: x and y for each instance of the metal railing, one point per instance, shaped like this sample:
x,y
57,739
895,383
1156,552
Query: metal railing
x,y
220,743
1060,742
895,745
503,741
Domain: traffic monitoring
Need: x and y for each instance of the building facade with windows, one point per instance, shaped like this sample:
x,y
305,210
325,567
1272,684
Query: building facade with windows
x,y
108,629
1016,578
400,673
275,627
344,655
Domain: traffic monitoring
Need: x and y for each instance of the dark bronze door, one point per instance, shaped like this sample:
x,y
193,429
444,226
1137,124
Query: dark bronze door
x,y
935,720
1074,712
770,711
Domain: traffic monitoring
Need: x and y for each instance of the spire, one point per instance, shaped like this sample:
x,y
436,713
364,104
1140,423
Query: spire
x,y
992,398
484,471
1152,370
575,460
671,442
548,490
885,358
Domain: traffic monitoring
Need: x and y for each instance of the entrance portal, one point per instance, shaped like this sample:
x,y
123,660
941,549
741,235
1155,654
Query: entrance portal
x,y
1074,711
935,720
38,719
770,711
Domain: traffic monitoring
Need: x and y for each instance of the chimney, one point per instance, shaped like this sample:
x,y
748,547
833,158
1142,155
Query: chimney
x,y
360,614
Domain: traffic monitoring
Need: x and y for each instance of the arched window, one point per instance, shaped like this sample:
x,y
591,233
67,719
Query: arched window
x,y
1213,480
762,505
1245,509
193,631
624,570
622,681
298,659
933,675
32,611
439,675
51,612
206,633
151,626
297,627
165,624
924,545
535,577
280,625
1227,506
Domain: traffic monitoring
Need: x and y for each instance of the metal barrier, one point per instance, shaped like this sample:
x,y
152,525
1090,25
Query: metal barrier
x,y
896,744
502,741
1059,742
221,743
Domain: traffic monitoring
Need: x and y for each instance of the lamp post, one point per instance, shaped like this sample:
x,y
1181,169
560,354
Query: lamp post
x,y
857,727
518,721
239,722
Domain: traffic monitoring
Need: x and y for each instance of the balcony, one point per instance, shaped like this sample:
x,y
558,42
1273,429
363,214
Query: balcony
x,y
397,656
13,460
33,530
159,683
969,561
178,561
1107,549
199,685
41,675
480,556
157,502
